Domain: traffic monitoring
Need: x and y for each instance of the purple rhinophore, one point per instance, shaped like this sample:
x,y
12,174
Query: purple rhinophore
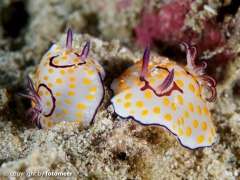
x,y
69,40
166,83
144,70
85,52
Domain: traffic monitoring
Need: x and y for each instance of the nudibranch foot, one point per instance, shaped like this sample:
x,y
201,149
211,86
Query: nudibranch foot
x,y
196,71
155,91
68,86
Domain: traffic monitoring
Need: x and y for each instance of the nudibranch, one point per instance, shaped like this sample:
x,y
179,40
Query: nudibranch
x,y
160,92
68,86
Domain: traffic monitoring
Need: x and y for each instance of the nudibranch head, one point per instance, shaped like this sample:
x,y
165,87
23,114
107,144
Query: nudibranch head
x,y
68,86
156,91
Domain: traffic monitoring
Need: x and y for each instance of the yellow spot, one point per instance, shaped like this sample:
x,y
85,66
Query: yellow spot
x,y
72,86
81,106
78,121
160,76
198,92
150,66
165,101
58,116
56,62
72,79
50,85
49,124
57,48
120,79
180,83
191,87
62,72
193,79
184,73
44,121
140,83
131,112
54,123
165,71
168,117
176,73
180,121
173,106
195,123
93,61
39,82
144,112
64,58
64,111
212,132
170,64
210,140
164,66
128,96
124,89
59,103
180,99
139,104
199,110
174,127
204,126
186,114
75,67
46,92
98,66
70,71
67,52
48,104
71,93
188,132
121,84
200,139
126,73
58,94
50,70
149,75
152,80
48,54
139,62
44,128
138,67
90,73
205,110
148,95
87,81
93,89
135,80
97,70
76,60
33,104
68,101
90,97
59,81
50,118
79,115
156,110
127,104
180,131
45,78
78,52
40,93
45,64
42,59
191,107
119,100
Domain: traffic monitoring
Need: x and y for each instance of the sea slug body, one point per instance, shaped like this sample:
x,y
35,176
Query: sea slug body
x,y
160,92
68,86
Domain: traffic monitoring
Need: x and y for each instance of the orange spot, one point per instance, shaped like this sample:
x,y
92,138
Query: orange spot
x,y
121,84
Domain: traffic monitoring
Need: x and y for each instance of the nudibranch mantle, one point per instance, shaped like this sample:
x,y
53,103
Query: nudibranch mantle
x,y
68,86
160,92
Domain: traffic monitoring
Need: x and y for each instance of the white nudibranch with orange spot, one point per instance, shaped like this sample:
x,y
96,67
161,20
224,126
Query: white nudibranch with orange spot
x,y
68,86
168,95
